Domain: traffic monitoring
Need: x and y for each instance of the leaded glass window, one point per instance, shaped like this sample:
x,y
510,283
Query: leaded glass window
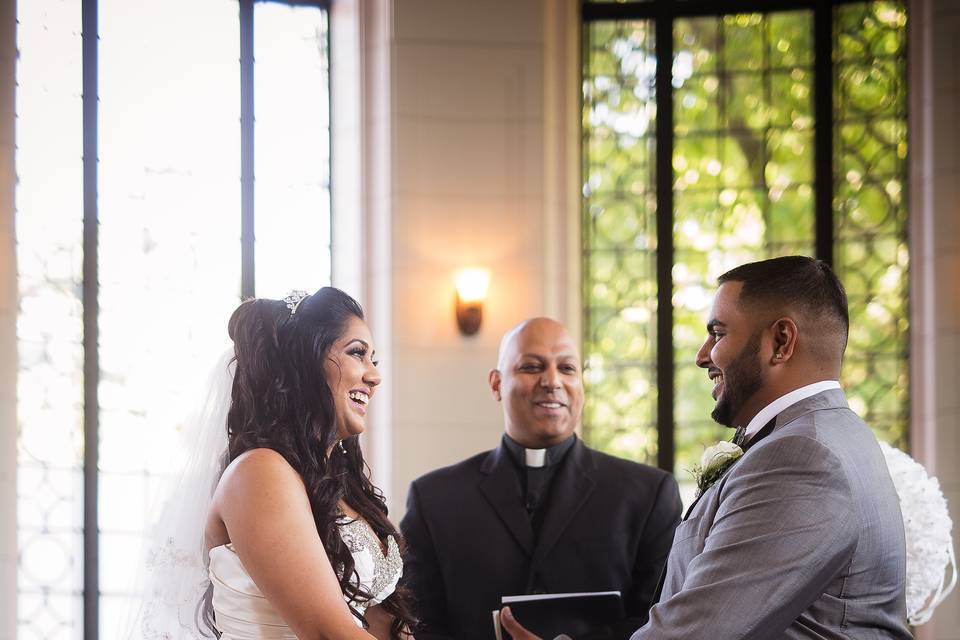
x,y
871,254
619,229
743,186
168,256
743,175
50,322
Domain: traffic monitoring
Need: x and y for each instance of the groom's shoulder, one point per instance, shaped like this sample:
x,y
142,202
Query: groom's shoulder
x,y
836,429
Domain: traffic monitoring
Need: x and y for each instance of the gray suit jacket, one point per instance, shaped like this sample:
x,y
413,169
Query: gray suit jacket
x,y
801,538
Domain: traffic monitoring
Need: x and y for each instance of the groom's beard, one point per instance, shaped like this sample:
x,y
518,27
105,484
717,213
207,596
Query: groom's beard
x,y
741,379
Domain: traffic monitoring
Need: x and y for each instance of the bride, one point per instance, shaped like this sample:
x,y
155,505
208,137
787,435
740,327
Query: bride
x,y
296,541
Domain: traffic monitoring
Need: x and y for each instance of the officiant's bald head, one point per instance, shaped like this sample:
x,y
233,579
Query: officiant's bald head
x,y
539,381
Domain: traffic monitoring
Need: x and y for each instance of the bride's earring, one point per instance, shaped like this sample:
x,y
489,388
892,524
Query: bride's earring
x,y
342,448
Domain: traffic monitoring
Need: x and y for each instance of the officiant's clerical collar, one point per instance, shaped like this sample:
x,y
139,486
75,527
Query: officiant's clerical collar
x,y
536,458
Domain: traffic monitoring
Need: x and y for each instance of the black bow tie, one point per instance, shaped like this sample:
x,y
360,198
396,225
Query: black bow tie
x,y
739,437
741,440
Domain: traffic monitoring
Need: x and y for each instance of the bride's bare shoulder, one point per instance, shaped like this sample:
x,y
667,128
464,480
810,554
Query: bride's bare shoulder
x,y
258,471
259,482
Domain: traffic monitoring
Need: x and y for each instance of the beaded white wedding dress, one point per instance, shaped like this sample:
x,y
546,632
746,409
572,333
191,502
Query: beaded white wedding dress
x,y
175,572
243,613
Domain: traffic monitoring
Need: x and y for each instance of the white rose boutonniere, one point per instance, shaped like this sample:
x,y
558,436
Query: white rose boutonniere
x,y
714,461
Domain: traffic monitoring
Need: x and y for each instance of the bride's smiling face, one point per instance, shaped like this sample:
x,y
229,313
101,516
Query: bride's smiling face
x,y
352,374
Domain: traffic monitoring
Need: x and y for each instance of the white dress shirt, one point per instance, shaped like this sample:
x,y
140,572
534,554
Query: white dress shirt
x,y
783,402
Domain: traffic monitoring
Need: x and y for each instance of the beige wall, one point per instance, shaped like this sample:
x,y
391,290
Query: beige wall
x,y
935,247
469,135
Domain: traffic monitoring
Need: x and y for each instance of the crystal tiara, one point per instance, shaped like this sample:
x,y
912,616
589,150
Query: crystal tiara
x,y
294,298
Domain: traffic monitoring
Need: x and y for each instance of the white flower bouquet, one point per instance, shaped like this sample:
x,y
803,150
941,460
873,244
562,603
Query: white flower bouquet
x,y
928,529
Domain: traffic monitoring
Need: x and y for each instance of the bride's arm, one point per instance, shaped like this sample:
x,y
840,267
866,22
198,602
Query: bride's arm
x,y
264,505
380,622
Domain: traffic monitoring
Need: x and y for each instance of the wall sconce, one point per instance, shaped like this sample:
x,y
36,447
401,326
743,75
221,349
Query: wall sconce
x,y
471,292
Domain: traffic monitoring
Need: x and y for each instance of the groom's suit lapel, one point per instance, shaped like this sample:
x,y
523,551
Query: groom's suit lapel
x,y
830,399
760,435
757,437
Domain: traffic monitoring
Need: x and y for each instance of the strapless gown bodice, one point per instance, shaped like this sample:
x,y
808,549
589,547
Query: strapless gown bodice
x,y
243,613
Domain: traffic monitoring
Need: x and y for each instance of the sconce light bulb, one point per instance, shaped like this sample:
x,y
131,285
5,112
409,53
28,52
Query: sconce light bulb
x,y
472,285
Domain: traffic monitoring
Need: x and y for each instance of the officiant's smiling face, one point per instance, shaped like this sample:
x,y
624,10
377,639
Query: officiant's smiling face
x,y
539,382
731,356
352,375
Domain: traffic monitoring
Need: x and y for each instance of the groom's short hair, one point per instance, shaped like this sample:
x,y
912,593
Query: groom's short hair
x,y
800,285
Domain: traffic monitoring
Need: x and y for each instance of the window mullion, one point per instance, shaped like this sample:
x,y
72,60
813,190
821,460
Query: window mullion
x,y
823,132
91,312
247,277
664,180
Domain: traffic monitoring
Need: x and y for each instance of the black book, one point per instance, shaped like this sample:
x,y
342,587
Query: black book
x,y
574,614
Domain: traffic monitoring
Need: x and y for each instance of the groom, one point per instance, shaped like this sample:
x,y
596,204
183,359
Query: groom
x,y
802,537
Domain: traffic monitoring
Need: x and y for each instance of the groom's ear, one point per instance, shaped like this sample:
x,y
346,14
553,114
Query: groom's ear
x,y
784,332
494,379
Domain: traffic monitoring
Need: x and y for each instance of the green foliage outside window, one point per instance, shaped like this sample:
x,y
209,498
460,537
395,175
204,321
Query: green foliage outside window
x,y
870,204
620,232
743,181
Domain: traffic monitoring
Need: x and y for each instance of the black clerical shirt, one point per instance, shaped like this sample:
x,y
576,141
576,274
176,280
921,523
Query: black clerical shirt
x,y
535,480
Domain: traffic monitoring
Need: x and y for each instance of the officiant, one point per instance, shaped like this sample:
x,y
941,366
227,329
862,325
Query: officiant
x,y
541,513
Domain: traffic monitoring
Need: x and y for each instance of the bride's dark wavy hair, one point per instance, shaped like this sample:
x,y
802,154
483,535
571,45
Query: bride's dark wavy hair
x,y
282,401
